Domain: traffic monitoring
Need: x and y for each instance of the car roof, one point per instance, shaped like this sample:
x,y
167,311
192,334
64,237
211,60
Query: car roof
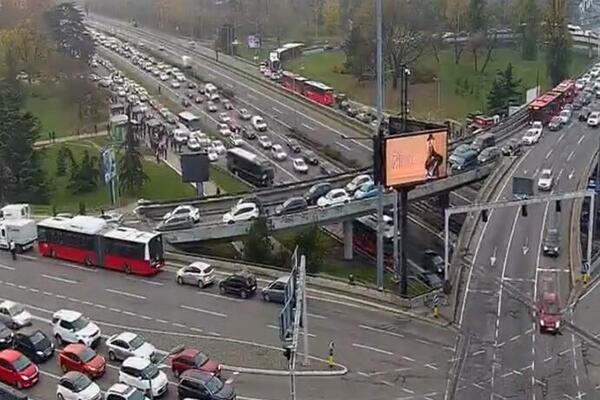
x,y
196,374
7,304
120,388
126,336
72,375
200,264
10,355
67,315
136,362
187,353
546,171
75,348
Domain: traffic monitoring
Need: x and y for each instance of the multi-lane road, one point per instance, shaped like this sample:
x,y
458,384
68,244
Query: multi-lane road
x,y
506,356
387,354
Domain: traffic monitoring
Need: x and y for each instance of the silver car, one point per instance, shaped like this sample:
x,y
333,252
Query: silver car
x,y
14,315
129,344
197,273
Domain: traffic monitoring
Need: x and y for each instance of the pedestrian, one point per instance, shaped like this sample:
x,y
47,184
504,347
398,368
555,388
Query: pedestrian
x,y
157,157
95,128
218,191
13,249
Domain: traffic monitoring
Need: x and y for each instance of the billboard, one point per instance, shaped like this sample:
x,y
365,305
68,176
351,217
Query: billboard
x,y
254,41
522,187
195,167
415,157
109,165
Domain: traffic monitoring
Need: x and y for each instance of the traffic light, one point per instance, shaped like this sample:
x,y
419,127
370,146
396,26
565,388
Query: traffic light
x,y
524,210
557,205
484,215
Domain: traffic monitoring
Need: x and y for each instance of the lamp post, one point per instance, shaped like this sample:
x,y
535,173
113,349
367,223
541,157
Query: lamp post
x,y
174,350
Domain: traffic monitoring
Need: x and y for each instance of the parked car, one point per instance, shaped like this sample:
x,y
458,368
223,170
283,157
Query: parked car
x,y
72,327
10,393
291,205
274,291
316,191
121,391
195,384
141,373
197,273
194,359
129,344
241,212
76,386
17,370
14,315
488,154
34,344
78,357
335,197
512,147
242,284
6,337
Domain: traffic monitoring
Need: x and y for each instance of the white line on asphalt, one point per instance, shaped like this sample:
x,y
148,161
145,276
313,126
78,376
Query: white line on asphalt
x,y
250,96
28,257
145,317
144,281
343,146
590,290
229,85
34,290
131,314
548,358
101,306
115,309
301,332
79,267
216,314
561,137
316,316
218,296
162,321
375,349
22,287
59,279
407,390
179,325
370,328
310,128
549,154
431,366
10,284
6,267
133,295
196,329
277,110
571,154
580,139
478,352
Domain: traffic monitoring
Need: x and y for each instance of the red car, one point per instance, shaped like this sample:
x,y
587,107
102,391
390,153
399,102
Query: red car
x,y
548,310
17,370
194,359
77,357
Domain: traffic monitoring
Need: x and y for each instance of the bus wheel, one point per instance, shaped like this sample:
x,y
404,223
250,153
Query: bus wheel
x,y
127,269
87,262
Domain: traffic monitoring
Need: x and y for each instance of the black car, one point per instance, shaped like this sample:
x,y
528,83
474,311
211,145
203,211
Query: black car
x,y
310,157
249,134
584,114
10,393
351,112
512,148
294,146
195,384
433,262
192,85
190,95
291,205
34,344
577,104
555,124
316,191
241,284
551,243
6,337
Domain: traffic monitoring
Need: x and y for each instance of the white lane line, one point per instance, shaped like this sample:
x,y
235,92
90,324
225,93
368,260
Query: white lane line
x,y
571,154
431,366
10,284
408,390
310,128
370,328
580,140
145,317
100,306
251,96
28,257
196,329
145,281
478,352
277,110
6,267
407,358
216,314
590,290
301,332
375,349
561,137
343,146
179,325
59,279
34,290
549,154
218,296
115,309
132,295
162,321
22,287
131,314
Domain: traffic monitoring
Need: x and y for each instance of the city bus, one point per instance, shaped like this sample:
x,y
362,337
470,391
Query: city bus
x,y
544,107
293,82
93,242
250,167
364,237
190,121
319,92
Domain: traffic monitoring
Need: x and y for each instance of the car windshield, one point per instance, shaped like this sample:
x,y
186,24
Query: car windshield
x,y
214,385
39,340
546,175
80,323
150,372
137,342
87,355
15,309
551,307
200,359
137,395
21,363
81,382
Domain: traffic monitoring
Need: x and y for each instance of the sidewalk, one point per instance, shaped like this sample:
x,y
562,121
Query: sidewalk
x,y
48,142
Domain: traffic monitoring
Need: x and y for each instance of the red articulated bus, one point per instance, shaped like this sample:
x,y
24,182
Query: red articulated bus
x,y
544,107
567,91
319,92
293,82
92,241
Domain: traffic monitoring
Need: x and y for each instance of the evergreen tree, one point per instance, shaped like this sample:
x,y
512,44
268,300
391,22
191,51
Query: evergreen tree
x,y
529,26
311,243
505,92
495,101
84,176
65,21
359,52
61,162
558,39
131,170
257,245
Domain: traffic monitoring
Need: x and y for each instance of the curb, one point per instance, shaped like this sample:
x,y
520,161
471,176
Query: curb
x,y
281,372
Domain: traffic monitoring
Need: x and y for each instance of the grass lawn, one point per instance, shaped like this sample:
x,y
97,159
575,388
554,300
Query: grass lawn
x,y
461,89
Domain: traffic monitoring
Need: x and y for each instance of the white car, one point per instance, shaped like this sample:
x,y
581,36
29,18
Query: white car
x,y
72,327
180,78
197,273
594,119
193,144
141,373
259,123
213,155
236,140
121,391
129,344
565,116
184,210
164,77
224,129
335,197
278,153
175,85
300,165
224,117
77,386
14,315
545,181
357,182
211,106
241,212
265,142
244,114
532,136
181,135
217,146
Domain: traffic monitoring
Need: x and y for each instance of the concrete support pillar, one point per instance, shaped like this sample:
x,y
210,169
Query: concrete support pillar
x,y
348,250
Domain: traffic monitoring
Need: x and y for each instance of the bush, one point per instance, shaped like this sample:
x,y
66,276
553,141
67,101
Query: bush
x,y
337,69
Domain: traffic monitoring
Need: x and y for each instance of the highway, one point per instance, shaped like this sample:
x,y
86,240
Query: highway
x,y
388,355
506,356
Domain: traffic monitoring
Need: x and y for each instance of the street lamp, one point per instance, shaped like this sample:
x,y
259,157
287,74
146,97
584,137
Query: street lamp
x,y
174,350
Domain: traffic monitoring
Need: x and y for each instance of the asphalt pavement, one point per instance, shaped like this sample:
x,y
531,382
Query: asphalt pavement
x,y
507,357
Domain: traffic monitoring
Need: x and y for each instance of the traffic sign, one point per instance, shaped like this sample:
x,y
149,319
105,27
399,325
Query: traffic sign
x,y
436,299
585,268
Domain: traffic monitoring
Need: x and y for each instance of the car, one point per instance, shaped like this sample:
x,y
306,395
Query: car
x,y
212,155
265,142
366,191
175,84
236,140
77,386
249,134
72,327
584,114
357,182
299,165
189,94
242,284
195,384
194,359
141,373
277,152
531,137
565,115
111,217
462,149
488,155
259,123
594,119
175,223
192,85
78,357
224,117
211,106
129,344
6,336
294,146
10,393
17,370
181,135
241,212
217,146
224,129
548,306
291,205
180,78
433,262
555,123
316,191
551,242
227,105
185,209
578,103
34,344
198,99
512,147
351,111
164,77
121,391
14,315
310,157
186,102
197,273
335,197
545,181
233,126
274,291
244,114
193,144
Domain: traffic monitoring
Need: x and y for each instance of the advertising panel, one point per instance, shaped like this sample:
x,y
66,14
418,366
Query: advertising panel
x,y
254,41
416,157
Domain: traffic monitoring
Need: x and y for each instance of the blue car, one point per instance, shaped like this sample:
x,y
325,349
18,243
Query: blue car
x,y
366,191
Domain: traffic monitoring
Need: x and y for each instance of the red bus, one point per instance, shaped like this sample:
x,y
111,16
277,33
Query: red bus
x,y
364,237
544,107
566,89
92,241
293,82
319,92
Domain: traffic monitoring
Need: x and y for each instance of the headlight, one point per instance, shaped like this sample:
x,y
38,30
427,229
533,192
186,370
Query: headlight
x,y
556,249
39,353
25,378
557,324
546,248
542,322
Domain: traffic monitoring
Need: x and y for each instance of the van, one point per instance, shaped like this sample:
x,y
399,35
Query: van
x,y
484,141
9,393
463,161
275,291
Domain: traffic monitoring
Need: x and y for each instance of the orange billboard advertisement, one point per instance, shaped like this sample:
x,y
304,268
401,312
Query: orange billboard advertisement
x,y
415,158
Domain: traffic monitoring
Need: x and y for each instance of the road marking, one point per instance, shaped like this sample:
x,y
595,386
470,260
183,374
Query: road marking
x,y
145,317
59,279
22,287
10,284
301,332
277,110
101,306
28,257
407,358
310,128
343,146
549,154
375,349
478,352
509,279
250,96
115,309
196,329
590,290
132,295
407,390
572,174
144,281
370,328
131,314
561,137
316,316
580,140
548,359
162,321
571,154
218,296
34,290
6,267
216,314
431,366
179,325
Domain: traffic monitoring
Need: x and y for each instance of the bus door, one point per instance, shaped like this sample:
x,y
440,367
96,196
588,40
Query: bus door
x,y
100,250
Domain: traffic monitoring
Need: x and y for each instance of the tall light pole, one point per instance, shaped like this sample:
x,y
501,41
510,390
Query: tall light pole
x,y
379,132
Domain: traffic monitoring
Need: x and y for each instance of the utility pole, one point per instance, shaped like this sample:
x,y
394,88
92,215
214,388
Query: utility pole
x,y
379,132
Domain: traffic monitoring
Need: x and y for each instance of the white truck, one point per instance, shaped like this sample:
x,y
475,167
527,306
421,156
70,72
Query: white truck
x,y
15,211
185,60
16,225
